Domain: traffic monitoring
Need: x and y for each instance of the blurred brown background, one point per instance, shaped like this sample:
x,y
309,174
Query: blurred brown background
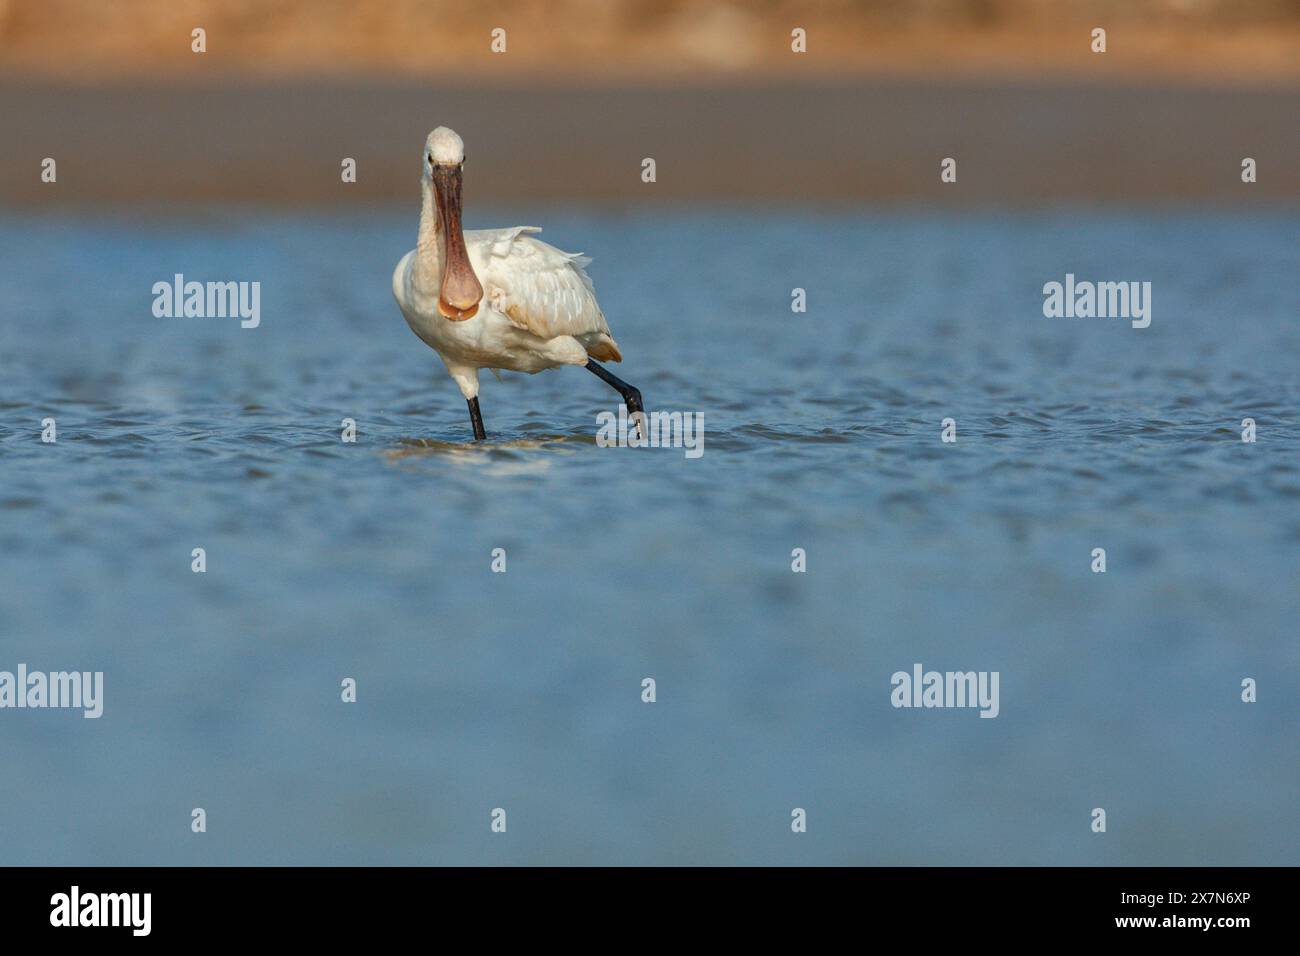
x,y
1226,40
712,90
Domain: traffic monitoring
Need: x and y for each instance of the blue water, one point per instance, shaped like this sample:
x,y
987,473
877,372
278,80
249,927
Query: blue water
x,y
522,690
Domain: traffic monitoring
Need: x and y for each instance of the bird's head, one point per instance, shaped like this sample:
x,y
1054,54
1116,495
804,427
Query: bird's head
x,y
444,148
444,164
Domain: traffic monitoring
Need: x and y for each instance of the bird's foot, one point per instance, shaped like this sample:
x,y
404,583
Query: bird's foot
x,y
636,410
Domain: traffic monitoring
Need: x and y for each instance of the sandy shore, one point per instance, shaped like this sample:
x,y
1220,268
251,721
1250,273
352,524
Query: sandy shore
x,y
816,141
595,41
583,90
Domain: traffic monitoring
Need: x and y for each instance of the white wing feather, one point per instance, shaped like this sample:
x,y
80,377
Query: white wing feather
x,y
538,287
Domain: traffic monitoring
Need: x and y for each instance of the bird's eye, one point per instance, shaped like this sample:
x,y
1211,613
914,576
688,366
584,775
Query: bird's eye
x,y
431,157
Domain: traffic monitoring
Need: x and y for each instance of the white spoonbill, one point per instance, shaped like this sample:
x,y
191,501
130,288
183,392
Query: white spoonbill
x,y
496,298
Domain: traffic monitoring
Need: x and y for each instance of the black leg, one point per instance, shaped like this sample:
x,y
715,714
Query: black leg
x,y
476,419
631,394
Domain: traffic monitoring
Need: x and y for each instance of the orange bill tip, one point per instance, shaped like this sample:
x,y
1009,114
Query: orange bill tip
x,y
457,315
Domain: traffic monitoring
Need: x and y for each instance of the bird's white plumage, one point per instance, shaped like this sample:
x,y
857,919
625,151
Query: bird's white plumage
x,y
538,309
538,287
445,146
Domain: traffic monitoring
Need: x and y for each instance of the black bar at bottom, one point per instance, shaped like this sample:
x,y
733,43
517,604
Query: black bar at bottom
x,y
360,904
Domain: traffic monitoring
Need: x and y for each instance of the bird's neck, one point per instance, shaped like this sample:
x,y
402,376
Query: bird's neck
x,y
431,247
